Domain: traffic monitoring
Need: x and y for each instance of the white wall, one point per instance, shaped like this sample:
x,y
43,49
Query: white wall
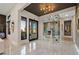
x,y
14,37
77,31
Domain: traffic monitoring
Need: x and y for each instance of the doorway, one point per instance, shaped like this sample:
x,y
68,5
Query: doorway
x,y
67,30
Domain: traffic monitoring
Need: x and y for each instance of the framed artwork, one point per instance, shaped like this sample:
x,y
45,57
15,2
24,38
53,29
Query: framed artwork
x,y
67,28
33,29
23,28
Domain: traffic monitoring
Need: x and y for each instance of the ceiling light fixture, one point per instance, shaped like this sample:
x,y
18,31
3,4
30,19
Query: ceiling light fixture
x,y
46,7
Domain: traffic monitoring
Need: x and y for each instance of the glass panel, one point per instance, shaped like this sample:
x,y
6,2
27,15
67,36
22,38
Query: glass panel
x,y
23,28
52,30
55,28
47,31
33,30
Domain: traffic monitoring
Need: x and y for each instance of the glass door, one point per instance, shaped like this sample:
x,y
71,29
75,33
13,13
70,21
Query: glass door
x,y
23,28
52,30
55,28
33,29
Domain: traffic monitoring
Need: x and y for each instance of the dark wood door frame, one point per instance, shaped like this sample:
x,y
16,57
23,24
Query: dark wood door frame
x,y
24,19
29,30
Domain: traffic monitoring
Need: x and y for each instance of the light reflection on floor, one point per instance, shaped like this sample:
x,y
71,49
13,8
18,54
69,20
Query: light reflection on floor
x,y
23,50
41,47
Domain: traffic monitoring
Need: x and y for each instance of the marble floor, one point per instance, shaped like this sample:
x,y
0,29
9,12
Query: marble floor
x,y
41,47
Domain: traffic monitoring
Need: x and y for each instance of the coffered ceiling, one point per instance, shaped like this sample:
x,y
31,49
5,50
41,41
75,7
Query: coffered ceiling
x,y
35,8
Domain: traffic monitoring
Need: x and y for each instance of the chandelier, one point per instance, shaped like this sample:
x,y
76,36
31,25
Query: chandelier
x,y
46,7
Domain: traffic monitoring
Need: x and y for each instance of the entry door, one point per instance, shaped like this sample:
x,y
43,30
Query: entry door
x,y
33,29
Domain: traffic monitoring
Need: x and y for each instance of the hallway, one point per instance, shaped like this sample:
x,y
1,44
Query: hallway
x,y
28,30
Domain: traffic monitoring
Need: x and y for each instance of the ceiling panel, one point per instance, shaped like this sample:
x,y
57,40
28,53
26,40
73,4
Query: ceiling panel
x,y
35,8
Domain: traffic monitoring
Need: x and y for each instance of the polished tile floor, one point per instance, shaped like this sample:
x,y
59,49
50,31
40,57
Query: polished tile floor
x,y
41,47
